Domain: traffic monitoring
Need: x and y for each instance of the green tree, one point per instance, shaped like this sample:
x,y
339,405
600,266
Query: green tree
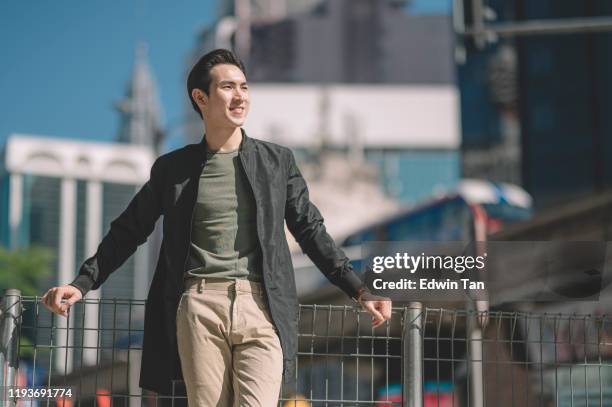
x,y
24,269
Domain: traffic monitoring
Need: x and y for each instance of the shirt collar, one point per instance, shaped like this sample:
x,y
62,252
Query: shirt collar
x,y
245,145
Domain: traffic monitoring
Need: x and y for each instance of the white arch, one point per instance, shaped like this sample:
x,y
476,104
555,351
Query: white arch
x,y
45,162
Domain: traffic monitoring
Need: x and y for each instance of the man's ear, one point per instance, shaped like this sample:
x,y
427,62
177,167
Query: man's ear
x,y
200,97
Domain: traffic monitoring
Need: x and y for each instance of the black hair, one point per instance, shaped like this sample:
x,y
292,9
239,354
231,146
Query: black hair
x,y
199,76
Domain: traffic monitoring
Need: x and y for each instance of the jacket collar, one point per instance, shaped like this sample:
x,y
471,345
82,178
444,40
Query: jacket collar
x,y
245,145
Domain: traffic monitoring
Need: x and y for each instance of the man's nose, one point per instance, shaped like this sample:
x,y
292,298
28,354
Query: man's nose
x,y
240,94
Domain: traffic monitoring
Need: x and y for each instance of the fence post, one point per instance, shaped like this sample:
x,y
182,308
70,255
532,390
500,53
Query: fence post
x,y
412,355
10,318
476,361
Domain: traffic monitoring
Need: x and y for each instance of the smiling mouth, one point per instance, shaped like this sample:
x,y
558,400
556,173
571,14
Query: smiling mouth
x,y
239,109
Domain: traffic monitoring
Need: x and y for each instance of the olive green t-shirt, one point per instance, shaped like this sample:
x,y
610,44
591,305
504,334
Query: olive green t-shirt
x,y
224,241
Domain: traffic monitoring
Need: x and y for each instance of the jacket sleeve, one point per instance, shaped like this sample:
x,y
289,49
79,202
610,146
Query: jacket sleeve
x,y
129,230
306,224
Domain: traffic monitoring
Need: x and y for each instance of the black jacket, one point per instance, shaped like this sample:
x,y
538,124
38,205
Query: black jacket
x,y
280,195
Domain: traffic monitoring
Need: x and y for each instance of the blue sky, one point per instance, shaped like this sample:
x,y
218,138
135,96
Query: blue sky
x,y
65,62
429,6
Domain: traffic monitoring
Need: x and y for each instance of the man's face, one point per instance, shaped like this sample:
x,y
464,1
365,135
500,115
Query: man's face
x,y
227,103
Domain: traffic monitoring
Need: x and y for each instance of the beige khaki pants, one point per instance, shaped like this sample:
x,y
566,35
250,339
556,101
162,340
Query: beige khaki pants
x,y
228,345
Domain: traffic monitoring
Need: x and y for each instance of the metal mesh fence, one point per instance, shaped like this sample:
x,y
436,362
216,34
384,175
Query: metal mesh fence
x,y
421,356
518,359
341,360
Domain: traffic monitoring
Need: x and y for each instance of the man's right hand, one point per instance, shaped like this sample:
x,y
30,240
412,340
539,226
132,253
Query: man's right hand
x,y
52,299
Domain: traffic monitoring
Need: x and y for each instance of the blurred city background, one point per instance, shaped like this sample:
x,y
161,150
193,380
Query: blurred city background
x,y
411,119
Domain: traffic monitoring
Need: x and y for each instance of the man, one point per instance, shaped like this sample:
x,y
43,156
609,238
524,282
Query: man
x,y
222,307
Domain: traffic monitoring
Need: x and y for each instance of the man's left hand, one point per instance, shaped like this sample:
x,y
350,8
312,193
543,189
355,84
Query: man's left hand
x,y
378,307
